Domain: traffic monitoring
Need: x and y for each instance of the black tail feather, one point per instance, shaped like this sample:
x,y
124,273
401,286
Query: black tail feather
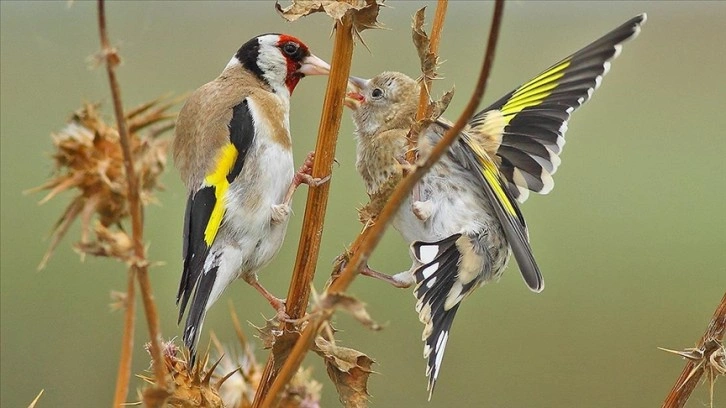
x,y
435,279
197,312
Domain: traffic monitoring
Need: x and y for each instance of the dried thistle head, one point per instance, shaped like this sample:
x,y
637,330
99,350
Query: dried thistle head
x,y
192,386
89,161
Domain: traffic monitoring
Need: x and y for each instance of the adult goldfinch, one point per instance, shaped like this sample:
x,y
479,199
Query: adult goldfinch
x,y
462,220
232,147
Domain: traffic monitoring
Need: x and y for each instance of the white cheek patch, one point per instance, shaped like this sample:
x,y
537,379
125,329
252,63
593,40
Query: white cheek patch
x,y
272,63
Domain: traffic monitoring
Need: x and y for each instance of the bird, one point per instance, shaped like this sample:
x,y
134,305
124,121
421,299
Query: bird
x,y
233,150
462,219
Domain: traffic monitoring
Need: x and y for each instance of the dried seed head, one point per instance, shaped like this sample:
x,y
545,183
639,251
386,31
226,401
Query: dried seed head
x,y
191,385
89,161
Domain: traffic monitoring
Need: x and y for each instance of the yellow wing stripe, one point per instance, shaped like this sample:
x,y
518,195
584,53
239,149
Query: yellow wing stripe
x,y
491,174
544,77
218,179
535,91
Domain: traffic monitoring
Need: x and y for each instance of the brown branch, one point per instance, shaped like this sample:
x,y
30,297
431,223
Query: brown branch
x,y
367,241
127,343
311,235
693,371
425,94
140,267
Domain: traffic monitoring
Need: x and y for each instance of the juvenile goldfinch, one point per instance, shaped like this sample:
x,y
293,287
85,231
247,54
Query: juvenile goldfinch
x,y
233,149
462,219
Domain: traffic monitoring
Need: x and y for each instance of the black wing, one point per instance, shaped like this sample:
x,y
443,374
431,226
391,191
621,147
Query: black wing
x,y
535,115
203,219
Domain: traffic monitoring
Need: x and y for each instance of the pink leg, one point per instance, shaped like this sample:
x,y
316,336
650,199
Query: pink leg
x,y
366,271
277,303
304,176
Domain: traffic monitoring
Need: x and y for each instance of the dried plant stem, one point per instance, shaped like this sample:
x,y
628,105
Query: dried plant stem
x,y
127,343
312,229
140,266
435,39
425,95
369,239
691,374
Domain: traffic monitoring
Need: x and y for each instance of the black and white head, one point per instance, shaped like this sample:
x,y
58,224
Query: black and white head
x,y
280,60
386,101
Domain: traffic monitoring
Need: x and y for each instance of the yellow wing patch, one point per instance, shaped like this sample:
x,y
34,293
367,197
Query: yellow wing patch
x,y
491,174
218,179
535,91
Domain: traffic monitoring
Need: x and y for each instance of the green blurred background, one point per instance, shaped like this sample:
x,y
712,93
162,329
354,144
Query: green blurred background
x,y
630,242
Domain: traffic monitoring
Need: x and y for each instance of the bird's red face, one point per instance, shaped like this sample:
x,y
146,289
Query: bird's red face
x,y
300,62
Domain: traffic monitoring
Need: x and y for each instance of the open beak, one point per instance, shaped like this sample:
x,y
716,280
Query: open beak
x,y
354,98
313,65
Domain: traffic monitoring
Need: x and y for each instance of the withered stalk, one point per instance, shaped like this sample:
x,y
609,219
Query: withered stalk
x,y
139,268
691,374
425,95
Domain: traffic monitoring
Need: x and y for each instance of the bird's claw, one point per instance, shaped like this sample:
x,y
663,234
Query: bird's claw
x,y
304,175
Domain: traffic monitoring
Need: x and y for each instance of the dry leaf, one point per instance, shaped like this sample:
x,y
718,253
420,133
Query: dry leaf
x,y
268,333
429,60
364,12
280,341
437,108
434,110
348,369
283,346
353,306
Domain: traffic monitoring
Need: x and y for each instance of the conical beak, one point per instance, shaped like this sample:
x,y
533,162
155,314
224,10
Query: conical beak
x,y
354,98
312,65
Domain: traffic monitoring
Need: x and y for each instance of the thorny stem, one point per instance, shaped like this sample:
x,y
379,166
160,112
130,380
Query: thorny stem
x,y
687,381
310,237
367,241
127,342
140,267
425,94
435,38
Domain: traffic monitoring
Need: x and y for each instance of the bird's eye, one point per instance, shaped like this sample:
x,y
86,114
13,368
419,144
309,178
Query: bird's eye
x,y
377,93
290,48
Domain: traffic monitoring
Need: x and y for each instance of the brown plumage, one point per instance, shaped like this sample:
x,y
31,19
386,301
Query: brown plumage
x,y
233,152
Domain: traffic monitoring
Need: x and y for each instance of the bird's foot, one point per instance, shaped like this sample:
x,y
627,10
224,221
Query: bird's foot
x,y
304,175
406,167
280,213
422,209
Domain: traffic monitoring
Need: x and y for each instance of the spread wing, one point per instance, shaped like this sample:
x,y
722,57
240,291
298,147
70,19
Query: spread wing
x,y
534,116
481,166
205,212
472,156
